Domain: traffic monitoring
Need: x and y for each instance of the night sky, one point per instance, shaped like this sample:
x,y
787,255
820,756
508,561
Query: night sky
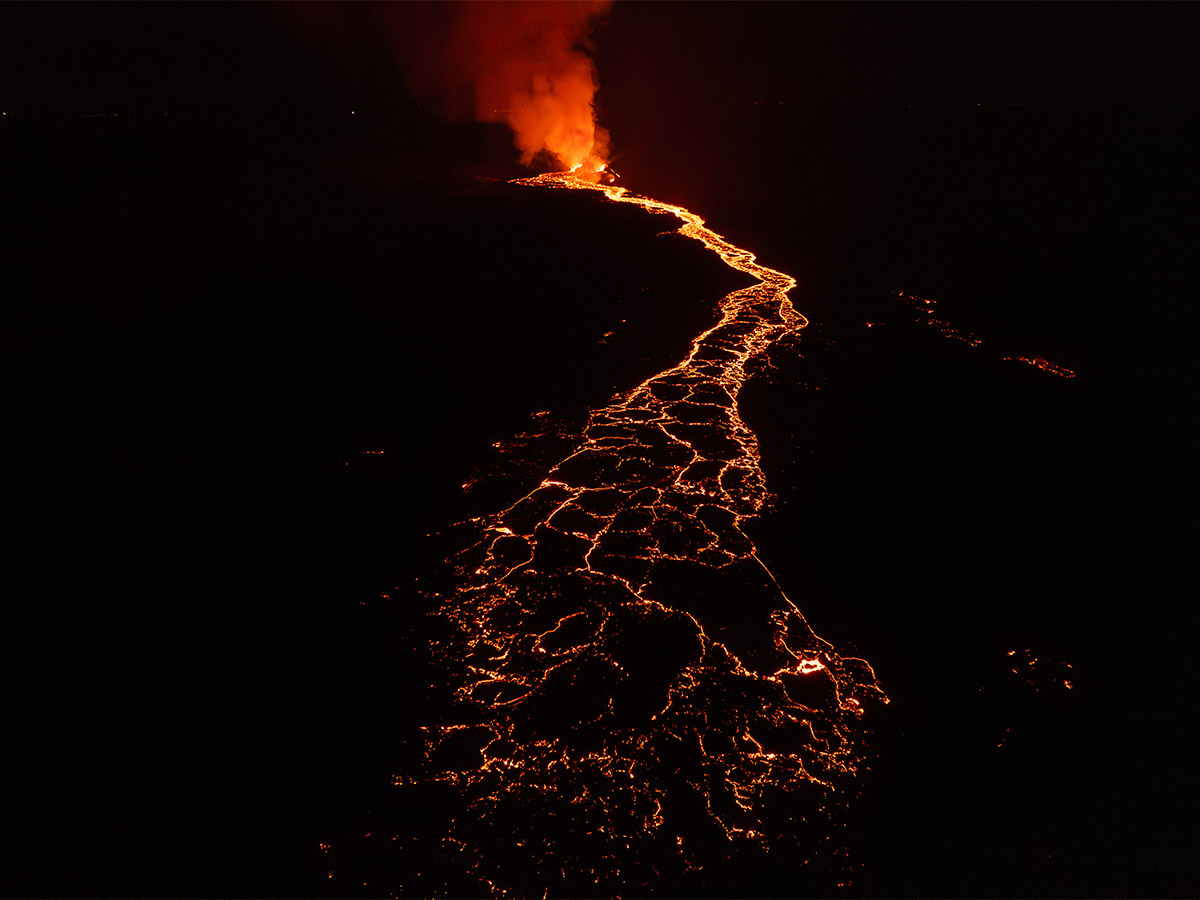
x,y
226,233
72,56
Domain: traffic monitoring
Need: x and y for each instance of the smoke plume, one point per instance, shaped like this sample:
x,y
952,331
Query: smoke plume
x,y
525,64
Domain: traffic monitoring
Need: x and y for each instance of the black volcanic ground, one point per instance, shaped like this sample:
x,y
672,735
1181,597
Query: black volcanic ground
x,y
205,322
212,329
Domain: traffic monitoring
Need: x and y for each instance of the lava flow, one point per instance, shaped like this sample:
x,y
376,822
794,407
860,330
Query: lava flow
x,y
621,693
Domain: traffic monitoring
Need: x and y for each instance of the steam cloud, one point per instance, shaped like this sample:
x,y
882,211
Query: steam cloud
x,y
524,64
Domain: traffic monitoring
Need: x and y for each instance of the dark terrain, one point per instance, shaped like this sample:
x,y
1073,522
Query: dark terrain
x,y
207,331
209,322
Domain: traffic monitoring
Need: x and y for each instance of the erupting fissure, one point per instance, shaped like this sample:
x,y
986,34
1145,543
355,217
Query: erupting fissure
x,y
623,693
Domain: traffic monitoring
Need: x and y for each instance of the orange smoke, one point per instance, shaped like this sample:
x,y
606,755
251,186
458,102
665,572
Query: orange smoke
x,y
524,64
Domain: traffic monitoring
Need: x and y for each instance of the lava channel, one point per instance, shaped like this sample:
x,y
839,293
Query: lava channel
x,y
620,693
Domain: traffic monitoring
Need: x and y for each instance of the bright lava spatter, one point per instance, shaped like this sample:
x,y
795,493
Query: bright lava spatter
x,y
622,694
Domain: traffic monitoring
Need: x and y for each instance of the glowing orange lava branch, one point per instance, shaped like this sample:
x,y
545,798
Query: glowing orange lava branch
x,y
924,307
621,678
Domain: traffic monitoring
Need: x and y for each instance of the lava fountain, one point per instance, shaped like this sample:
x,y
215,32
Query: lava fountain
x,y
524,64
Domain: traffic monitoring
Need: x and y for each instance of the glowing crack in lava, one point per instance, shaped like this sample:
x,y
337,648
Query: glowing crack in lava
x,y
621,691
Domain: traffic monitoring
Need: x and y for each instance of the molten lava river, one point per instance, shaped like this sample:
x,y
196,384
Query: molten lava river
x,y
621,697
